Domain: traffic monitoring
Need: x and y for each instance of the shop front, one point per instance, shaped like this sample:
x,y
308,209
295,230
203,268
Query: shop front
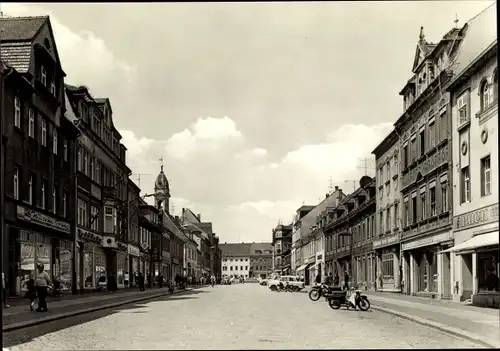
x,y
388,272
133,264
38,238
165,265
428,270
175,267
475,257
122,264
320,268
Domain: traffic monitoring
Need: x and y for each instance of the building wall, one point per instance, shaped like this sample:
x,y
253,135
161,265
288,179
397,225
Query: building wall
x,y
236,265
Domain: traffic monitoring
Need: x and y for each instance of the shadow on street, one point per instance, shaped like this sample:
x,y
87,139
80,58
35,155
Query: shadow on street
x,y
24,335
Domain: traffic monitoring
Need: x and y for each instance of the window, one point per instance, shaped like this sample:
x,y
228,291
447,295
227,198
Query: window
x,y
82,213
486,176
465,185
432,199
92,172
462,106
396,215
388,189
43,76
79,158
44,133
381,223
388,220
54,141
495,86
94,218
43,194
15,190
388,168
65,150
432,134
423,203
30,190
388,266
54,199
395,166
444,193
413,148
109,219
406,212
414,207
65,203
31,123
485,95
443,125
17,112
52,88
488,268
85,164
422,142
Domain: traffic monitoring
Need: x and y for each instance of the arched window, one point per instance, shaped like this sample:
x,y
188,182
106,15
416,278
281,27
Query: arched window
x,y
485,95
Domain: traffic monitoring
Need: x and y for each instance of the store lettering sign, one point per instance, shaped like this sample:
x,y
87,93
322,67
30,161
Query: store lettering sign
x,y
430,240
388,240
475,218
41,219
85,235
133,250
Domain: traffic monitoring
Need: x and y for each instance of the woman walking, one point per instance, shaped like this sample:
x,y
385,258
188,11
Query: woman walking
x,y
42,282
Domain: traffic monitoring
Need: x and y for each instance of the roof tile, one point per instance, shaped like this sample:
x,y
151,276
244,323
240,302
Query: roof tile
x,y
20,28
17,55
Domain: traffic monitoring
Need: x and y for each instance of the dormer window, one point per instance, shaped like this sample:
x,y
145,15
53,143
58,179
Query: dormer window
x,y
43,76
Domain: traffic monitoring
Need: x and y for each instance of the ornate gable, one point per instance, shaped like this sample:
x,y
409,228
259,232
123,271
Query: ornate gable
x,y
44,37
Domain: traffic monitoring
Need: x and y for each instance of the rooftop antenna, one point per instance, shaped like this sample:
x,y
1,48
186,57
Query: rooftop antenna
x,y
139,178
330,186
456,20
365,167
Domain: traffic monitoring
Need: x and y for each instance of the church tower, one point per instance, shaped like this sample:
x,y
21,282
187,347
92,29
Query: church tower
x,y
162,191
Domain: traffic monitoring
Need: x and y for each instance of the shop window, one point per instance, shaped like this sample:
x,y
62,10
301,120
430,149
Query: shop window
x,y
88,268
485,176
388,266
488,271
100,266
465,185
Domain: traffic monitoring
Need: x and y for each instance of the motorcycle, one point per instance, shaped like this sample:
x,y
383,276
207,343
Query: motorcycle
x,y
285,287
321,290
336,299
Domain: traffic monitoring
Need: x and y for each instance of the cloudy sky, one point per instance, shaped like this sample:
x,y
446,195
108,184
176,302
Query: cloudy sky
x,y
254,107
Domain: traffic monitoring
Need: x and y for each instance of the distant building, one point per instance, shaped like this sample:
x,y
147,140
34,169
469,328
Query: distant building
x,y
282,246
261,260
236,260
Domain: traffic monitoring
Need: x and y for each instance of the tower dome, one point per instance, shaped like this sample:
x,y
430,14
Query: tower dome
x,y
162,191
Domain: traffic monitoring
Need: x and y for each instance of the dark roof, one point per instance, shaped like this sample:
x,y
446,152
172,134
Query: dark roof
x,y
17,55
260,246
240,249
20,28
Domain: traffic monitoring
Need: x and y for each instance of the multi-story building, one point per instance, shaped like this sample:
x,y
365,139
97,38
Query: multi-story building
x,y
261,259
474,100
133,246
282,245
102,190
236,260
151,232
145,264
349,232
388,217
312,238
297,256
39,155
425,139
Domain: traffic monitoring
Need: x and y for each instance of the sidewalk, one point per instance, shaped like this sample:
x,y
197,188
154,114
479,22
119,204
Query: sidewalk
x,y
19,314
474,323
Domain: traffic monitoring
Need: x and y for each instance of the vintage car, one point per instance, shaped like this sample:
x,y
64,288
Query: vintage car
x,y
296,284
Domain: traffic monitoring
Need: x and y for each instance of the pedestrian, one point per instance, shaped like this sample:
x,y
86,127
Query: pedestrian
x,y
346,281
149,281
318,279
329,279
336,280
42,282
31,293
4,290
141,281
160,281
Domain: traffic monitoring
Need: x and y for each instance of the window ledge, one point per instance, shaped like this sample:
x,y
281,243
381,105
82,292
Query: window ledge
x,y
381,186
463,126
444,214
395,176
387,181
421,158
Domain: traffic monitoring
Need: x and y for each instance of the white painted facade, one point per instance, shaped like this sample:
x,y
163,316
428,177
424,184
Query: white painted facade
x,y
235,266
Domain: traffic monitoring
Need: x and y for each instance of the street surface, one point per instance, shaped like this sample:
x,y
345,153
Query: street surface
x,y
240,316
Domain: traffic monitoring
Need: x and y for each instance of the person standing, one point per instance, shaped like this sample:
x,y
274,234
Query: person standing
x,y
346,281
318,279
141,281
42,282
4,290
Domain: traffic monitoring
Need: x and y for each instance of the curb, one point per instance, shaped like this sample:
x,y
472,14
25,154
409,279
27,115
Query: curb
x,y
55,317
441,327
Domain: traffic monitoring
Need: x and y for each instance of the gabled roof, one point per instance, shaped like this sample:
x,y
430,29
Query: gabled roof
x,y
20,28
260,246
239,249
480,33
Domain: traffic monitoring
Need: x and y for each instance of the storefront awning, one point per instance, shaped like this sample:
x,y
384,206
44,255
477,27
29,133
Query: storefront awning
x,y
475,242
303,267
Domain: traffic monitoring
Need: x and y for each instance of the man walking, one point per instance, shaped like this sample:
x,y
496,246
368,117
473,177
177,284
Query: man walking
x,y
42,282
346,281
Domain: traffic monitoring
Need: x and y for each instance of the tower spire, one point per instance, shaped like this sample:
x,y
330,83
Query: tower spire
x,y
161,163
422,35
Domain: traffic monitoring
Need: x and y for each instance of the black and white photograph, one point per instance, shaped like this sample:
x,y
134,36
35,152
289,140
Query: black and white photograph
x,y
249,175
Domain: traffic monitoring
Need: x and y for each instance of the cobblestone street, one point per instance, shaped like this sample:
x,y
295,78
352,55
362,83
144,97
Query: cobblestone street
x,y
230,317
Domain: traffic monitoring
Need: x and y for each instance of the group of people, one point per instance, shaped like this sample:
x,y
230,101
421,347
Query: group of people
x,y
331,281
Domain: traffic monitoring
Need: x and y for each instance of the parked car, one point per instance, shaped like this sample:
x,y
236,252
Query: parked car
x,y
226,281
286,279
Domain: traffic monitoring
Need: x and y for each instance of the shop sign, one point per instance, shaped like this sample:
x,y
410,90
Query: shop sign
x,y
85,235
144,245
41,219
133,250
388,240
485,215
430,240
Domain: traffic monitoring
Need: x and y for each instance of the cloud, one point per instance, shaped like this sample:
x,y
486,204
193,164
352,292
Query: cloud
x,y
206,135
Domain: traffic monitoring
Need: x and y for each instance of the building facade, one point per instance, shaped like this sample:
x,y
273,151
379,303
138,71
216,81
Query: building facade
x,y
425,139
387,241
297,254
474,100
236,260
39,211
133,246
261,260
151,233
281,246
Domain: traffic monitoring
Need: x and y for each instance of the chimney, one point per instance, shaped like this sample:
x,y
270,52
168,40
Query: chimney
x,y
199,217
183,210
326,196
336,187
